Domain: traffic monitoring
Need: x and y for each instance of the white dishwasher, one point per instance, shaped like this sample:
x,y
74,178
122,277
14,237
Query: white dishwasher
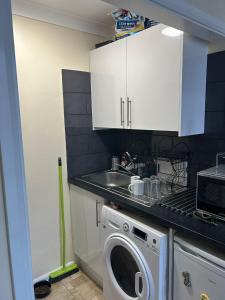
x,y
198,274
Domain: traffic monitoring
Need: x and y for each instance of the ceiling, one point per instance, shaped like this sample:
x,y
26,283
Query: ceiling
x,y
92,16
215,8
92,10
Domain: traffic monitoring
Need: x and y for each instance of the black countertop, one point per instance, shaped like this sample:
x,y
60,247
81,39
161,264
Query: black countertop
x,y
214,235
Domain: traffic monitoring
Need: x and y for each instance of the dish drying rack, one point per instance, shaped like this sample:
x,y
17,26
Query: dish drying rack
x,y
183,203
173,170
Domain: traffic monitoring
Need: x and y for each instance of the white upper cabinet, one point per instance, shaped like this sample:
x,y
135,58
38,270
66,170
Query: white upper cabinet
x,y
166,79
165,82
108,85
153,80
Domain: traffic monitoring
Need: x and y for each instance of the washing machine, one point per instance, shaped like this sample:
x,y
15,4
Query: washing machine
x,y
134,257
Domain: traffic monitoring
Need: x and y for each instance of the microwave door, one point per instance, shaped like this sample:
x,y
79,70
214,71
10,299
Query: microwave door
x,y
211,195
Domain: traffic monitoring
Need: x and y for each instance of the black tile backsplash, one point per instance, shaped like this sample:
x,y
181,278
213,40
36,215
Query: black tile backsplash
x,y
76,82
214,122
87,163
77,144
216,67
135,141
89,151
215,100
76,103
78,121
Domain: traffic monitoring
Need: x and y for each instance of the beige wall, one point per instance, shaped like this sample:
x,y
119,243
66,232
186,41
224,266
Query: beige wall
x,y
42,51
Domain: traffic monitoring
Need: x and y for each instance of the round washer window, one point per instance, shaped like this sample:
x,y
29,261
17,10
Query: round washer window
x,y
124,268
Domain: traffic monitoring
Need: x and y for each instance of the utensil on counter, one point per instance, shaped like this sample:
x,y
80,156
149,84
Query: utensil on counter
x,y
134,178
147,186
164,188
115,163
137,187
155,192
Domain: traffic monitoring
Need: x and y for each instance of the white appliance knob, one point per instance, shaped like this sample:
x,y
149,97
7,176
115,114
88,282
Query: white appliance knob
x,y
126,227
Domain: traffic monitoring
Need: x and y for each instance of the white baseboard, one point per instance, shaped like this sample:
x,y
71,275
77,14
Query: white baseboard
x,y
46,276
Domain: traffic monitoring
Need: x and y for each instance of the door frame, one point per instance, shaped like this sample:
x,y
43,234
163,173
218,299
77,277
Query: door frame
x,y
11,155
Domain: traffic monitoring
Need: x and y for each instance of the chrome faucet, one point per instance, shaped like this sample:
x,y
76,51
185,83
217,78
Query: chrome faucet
x,y
125,169
127,161
125,164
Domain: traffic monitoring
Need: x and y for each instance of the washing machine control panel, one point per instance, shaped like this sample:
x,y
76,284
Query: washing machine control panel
x,y
126,227
154,243
119,223
139,233
115,221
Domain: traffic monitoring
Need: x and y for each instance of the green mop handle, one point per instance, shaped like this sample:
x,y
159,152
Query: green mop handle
x,y
62,217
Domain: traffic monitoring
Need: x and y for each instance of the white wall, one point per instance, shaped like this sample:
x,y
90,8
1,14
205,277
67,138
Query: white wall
x,y
42,51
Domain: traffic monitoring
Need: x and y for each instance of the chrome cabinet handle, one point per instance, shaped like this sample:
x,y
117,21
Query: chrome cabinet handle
x,y
97,214
128,102
128,112
122,111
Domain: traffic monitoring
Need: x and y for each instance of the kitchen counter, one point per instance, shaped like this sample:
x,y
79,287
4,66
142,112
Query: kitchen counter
x,y
214,235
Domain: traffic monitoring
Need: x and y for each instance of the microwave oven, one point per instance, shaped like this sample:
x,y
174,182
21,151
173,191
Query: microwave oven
x,y
211,191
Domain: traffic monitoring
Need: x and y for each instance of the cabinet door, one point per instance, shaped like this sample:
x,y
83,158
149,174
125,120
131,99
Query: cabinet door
x,y
79,228
108,85
86,230
93,222
154,79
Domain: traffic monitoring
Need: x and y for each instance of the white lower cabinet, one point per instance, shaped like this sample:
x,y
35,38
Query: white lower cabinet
x,y
86,221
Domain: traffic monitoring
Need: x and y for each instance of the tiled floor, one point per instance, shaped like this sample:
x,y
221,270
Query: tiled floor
x,y
76,287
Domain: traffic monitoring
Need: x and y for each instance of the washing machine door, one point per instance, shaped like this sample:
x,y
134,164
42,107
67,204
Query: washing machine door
x,y
127,269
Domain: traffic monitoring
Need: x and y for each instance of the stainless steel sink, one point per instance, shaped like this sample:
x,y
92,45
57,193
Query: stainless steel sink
x,y
109,178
